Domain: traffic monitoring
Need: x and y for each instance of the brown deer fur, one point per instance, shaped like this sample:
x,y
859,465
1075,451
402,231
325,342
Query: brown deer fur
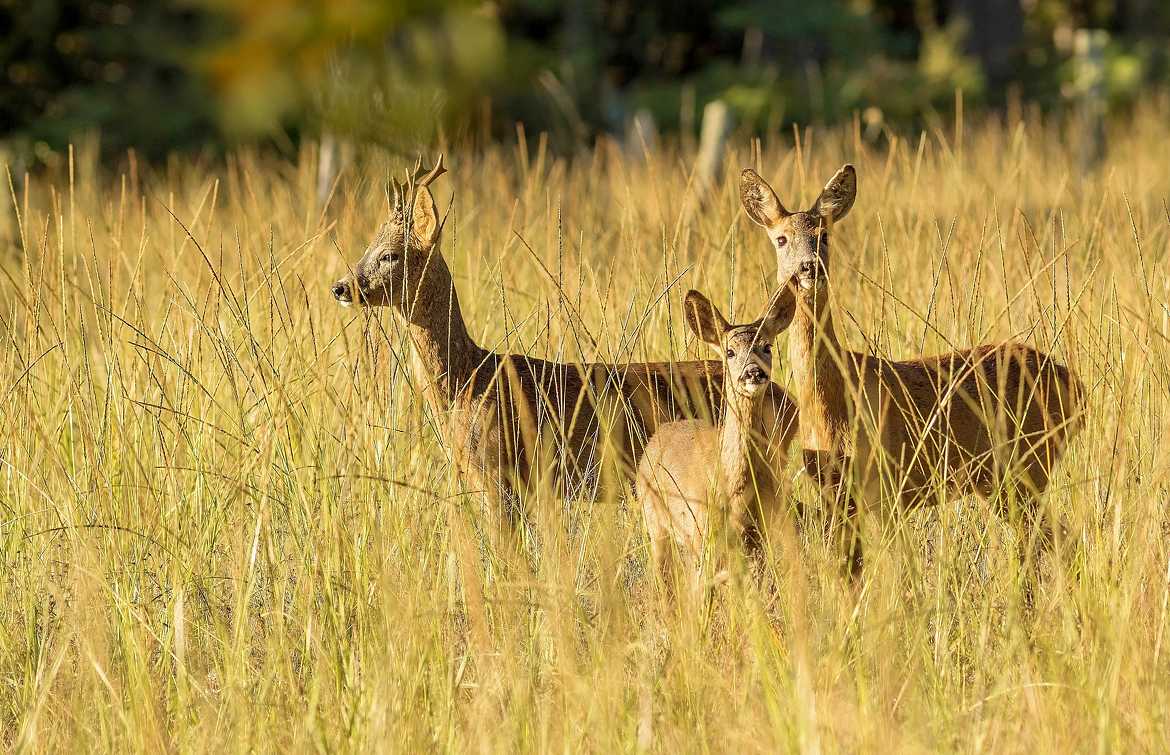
x,y
516,421
992,420
693,475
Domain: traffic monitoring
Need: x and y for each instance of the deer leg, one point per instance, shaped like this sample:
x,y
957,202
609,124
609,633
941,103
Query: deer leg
x,y
694,555
828,470
473,569
754,531
1020,503
1034,540
660,558
747,528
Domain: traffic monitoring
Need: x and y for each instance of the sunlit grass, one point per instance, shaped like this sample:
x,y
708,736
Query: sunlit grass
x,y
226,520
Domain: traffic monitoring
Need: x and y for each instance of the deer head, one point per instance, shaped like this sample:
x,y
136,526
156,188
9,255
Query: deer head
x,y
746,349
397,263
801,239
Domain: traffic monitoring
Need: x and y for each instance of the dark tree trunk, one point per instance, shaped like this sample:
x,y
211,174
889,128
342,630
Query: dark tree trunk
x,y
995,29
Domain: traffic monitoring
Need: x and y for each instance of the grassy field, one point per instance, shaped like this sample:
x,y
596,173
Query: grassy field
x,y
225,516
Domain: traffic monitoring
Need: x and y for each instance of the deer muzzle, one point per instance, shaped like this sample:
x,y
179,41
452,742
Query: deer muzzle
x,y
343,292
754,375
808,273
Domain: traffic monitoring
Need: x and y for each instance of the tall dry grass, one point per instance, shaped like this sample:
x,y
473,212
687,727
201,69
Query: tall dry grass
x,y
225,516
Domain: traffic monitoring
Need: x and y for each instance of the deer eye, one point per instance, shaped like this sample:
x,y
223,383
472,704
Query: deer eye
x,y
389,257
731,353
825,239
781,241
768,349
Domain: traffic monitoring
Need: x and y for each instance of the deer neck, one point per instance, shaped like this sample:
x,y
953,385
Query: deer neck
x,y
741,449
445,355
816,360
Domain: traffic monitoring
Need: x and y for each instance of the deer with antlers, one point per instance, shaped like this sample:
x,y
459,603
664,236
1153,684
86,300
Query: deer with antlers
x,y
516,420
992,420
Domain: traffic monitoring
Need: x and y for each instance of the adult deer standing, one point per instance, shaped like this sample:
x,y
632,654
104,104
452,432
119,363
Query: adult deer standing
x,y
992,420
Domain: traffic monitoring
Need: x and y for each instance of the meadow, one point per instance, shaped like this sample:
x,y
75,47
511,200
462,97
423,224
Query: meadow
x,y
226,516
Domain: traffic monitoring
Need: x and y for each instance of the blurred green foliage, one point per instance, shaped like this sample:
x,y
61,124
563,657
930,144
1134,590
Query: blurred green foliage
x,y
377,71
124,69
162,75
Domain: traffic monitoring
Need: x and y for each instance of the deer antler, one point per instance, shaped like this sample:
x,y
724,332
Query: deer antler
x,y
422,177
403,192
396,195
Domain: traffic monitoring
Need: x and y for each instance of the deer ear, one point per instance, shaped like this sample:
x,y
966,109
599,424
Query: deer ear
x,y
781,310
424,224
837,197
759,201
704,318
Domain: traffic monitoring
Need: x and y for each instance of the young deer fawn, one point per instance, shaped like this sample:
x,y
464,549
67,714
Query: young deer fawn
x,y
992,420
515,420
693,474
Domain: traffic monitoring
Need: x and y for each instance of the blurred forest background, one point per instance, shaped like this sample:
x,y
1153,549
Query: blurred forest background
x,y
162,76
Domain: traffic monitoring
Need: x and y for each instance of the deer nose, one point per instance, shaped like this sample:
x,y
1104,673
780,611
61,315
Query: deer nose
x,y
754,374
341,291
808,267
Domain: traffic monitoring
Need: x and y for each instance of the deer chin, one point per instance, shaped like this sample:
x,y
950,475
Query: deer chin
x,y
811,281
751,388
